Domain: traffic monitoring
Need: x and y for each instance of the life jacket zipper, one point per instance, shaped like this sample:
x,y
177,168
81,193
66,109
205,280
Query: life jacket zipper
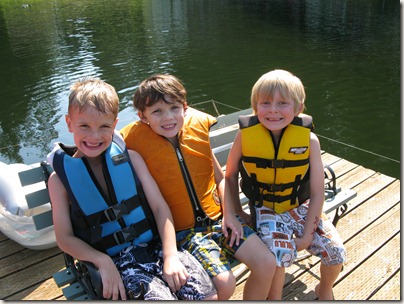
x,y
188,182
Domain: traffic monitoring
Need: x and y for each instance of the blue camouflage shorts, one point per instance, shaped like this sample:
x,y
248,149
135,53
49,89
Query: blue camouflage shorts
x,y
142,276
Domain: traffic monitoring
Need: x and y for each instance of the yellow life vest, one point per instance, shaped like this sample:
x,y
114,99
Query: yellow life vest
x,y
185,176
275,177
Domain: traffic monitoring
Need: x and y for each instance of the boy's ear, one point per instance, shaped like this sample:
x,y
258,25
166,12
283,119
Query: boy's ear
x,y
301,108
141,116
68,122
116,121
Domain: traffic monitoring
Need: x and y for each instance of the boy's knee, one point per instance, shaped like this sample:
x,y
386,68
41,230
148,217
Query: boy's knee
x,y
225,284
265,264
257,257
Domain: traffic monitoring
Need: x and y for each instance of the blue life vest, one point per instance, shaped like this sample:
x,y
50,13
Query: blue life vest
x,y
113,223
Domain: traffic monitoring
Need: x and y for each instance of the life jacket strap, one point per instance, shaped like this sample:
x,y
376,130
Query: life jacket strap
x,y
275,187
124,235
115,212
274,163
112,213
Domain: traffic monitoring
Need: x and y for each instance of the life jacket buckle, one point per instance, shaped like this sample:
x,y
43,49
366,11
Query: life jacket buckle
x,y
125,235
277,163
274,187
115,212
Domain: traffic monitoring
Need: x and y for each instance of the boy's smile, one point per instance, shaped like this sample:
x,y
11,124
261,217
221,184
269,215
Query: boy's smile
x,y
92,130
166,119
276,112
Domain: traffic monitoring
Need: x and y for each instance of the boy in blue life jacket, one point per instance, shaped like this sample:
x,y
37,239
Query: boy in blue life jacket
x,y
280,163
100,214
173,139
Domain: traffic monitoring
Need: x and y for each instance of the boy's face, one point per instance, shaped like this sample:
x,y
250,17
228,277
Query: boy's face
x,y
164,118
92,130
276,112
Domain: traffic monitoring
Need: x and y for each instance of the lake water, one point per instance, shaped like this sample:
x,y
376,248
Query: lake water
x,y
346,52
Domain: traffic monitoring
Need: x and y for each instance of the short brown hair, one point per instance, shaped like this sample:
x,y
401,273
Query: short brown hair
x,y
159,87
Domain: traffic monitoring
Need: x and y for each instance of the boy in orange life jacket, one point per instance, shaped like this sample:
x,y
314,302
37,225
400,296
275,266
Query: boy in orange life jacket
x,y
277,134
98,175
173,139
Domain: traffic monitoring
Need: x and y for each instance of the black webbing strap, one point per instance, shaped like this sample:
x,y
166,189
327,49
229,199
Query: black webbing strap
x,y
124,235
115,212
275,187
274,163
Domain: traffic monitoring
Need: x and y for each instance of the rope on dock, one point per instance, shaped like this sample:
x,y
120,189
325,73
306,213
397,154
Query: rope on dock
x,y
354,147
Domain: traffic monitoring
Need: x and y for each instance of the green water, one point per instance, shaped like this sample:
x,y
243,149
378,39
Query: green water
x,y
347,53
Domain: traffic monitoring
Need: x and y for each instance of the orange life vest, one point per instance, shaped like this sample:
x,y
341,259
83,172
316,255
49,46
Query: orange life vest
x,y
188,201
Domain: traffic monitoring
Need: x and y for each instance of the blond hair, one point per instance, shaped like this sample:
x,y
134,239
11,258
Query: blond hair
x,y
287,84
96,93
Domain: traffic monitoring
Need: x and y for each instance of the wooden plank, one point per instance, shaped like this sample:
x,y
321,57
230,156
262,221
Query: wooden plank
x,y
46,290
371,274
43,220
38,273
37,198
368,189
354,177
31,176
329,159
2,237
390,290
27,258
359,250
9,247
355,223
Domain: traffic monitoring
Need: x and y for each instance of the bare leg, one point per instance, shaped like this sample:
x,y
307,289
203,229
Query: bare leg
x,y
262,264
211,298
225,284
277,284
329,275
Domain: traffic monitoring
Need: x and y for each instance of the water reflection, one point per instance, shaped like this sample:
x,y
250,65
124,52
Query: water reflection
x,y
346,52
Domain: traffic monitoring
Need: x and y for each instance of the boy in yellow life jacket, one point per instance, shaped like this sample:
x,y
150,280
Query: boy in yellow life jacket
x,y
279,159
173,139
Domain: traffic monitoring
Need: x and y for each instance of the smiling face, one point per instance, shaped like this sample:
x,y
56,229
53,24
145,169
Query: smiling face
x,y
166,119
276,112
92,130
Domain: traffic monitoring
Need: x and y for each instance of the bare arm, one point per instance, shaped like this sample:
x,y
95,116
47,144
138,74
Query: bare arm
x,y
219,177
316,194
69,243
232,204
174,271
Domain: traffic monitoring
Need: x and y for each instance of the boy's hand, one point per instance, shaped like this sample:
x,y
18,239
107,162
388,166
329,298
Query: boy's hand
x,y
112,284
301,243
174,272
231,222
245,217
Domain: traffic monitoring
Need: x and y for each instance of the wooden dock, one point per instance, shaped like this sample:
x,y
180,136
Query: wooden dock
x,y
370,230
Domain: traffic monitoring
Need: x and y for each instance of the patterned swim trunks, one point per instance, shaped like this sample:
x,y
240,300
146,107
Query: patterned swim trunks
x,y
278,231
210,247
143,278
